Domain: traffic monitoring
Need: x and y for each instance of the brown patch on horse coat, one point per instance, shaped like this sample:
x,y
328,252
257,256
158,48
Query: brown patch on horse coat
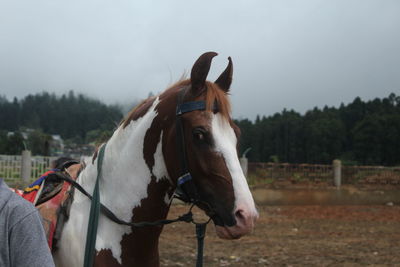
x,y
151,140
140,248
104,258
150,210
161,123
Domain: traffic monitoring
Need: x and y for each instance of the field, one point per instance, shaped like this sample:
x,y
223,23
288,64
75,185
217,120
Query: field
x,y
295,236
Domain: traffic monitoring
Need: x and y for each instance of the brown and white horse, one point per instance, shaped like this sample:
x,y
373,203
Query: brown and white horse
x,y
141,167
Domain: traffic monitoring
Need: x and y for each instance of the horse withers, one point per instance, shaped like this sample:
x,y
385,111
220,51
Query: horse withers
x,y
187,129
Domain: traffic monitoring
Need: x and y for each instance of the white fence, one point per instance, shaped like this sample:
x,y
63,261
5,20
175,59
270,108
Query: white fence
x,y
10,168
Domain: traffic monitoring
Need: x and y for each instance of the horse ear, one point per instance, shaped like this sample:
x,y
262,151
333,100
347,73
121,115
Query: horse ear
x,y
225,79
200,70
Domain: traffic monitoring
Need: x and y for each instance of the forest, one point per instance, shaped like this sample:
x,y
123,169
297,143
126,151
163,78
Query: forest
x,y
76,118
361,132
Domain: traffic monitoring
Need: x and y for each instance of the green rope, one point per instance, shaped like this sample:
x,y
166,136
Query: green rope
x,y
94,215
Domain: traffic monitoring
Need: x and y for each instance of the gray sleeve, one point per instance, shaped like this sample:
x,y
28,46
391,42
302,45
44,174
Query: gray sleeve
x,y
28,244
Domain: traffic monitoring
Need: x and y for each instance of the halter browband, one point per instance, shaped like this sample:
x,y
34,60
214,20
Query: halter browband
x,y
185,188
192,106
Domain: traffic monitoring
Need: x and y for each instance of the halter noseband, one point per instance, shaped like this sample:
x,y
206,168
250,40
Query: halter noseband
x,y
185,188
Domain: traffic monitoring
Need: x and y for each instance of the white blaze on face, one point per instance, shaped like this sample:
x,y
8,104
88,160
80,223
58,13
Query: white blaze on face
x,y
225,143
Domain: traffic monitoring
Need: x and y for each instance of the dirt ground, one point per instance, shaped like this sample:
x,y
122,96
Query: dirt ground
x,y
295,236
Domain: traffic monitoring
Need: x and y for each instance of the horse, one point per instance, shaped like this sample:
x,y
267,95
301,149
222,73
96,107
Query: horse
x,y
142,166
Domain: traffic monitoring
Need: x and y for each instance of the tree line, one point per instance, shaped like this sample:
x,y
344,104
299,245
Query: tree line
x,y
75,117
365,133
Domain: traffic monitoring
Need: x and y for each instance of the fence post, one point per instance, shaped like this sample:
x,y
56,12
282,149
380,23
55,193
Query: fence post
x,y
244,163
26,166
337,173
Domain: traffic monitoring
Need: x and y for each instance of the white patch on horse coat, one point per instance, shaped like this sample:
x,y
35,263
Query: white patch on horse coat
x,y
225,143
159,168
123,185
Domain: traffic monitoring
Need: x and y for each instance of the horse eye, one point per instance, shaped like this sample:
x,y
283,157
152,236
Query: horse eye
x,y
199,134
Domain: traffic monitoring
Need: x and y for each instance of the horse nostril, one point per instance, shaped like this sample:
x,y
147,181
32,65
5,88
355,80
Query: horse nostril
x,y
239,214
244,218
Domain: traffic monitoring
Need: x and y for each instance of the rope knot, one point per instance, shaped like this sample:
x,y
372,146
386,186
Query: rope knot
x,y
187,217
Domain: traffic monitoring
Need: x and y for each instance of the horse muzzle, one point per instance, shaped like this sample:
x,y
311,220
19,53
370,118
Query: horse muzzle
x,y
245,221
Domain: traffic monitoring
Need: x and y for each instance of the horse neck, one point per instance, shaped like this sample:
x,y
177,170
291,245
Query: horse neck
x,y
133,168
134,185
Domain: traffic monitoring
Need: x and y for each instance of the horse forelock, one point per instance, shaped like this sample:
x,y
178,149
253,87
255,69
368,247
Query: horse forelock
x,y
216,95
212,94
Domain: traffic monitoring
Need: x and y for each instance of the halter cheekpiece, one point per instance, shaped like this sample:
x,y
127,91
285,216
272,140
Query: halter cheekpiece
x,y
185,187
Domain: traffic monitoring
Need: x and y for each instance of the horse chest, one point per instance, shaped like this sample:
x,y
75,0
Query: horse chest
x,y
116,245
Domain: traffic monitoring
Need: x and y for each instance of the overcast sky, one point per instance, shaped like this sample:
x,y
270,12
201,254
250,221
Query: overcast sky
x,y
286,54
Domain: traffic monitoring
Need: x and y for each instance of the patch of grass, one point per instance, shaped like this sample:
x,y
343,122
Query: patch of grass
x,y
254,179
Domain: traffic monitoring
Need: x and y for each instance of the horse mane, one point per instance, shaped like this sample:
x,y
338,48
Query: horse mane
x,y
138,111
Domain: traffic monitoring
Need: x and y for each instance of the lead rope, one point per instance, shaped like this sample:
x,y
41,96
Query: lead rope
x,y
93,221
200,234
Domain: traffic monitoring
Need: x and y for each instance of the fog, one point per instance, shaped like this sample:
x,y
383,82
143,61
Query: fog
x,y
286,54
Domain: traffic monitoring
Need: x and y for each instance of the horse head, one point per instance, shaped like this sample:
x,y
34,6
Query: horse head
x,y
210,150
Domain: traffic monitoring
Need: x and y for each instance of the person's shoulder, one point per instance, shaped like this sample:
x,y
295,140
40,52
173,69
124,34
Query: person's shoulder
x,y
15,207
19,203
